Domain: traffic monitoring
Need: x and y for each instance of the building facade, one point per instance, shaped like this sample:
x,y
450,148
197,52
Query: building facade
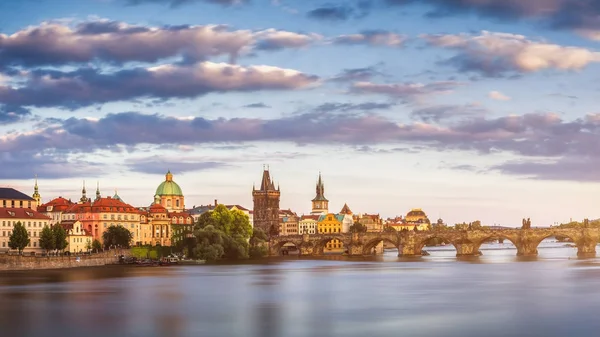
x,y
266,205
331,223
33,221
54,209
288,222
11,198
79,240
308,224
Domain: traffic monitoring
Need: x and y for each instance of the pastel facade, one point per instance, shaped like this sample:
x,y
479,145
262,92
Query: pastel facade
x,y
288,222
33,221
308,224
79,240
11,198
331,223
55,209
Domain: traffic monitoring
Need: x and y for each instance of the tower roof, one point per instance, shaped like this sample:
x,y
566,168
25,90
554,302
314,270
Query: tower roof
x,y
320,190
267,183
346,210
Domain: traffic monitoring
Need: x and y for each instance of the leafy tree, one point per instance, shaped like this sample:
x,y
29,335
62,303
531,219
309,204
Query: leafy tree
x,y
476,224
88,245
357,227
96,245
47,239
258,247
117,236
19,239
222,233
60,238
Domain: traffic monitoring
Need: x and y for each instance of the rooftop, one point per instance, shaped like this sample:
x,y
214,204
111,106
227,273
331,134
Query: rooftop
x,y
11,193
21,213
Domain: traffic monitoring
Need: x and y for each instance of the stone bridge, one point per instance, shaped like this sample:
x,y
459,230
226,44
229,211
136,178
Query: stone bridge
x,y
466,242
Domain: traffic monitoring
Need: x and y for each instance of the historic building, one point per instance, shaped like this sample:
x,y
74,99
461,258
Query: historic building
x,y
79,240
170,194
9,197
55,209
373,222
320,204
331,223
31,219
415,219
308,224
347,218
266,205
99,214
288,222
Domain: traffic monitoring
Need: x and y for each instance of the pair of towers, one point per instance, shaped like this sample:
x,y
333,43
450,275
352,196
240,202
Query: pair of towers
x,y
266,203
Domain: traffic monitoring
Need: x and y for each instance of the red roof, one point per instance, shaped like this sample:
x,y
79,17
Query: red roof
x,y
312,217
179,214
21,213
58,204
157,208
107,204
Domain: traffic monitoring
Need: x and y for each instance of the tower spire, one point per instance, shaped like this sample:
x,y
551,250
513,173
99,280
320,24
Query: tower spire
x,y
36,192
83,197
97,190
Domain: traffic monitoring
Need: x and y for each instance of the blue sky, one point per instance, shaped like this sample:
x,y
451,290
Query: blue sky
x,y
468,109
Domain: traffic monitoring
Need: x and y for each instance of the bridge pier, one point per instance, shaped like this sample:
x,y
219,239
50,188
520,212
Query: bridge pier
x,y
467,249
527,248
586,249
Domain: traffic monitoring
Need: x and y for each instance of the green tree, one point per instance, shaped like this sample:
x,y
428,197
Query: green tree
x,y
357,227
60,238
88,245
117,236
258,244
96,246
210,244
19,239
47,239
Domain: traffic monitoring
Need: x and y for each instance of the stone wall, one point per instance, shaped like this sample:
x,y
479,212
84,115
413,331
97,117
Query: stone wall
x,y
16,262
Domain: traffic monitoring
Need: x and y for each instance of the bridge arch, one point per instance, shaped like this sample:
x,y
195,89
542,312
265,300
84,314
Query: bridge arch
x,y
444,238
497,235
337,241
574,237
277,247
371,244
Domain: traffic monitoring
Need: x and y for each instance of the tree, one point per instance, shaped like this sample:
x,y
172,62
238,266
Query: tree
x,y
222,233
389,229
357,227
88,245
117,236
19,239
60,238
47,241
96,245
258,247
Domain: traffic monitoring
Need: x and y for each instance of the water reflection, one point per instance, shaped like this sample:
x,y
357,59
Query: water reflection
x,y
555,294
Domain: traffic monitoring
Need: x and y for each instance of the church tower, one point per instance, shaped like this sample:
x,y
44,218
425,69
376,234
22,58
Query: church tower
x,y
266,205
36,194
84,198
320,204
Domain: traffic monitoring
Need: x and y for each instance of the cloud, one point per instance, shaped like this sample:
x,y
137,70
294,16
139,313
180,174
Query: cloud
x,y
439,113
496,54
566,169
157,164
86,87
177,3
405,91
12,114
497,95
341,11
372,38
356,74
25,164
54,43
345,107
577,15
257,106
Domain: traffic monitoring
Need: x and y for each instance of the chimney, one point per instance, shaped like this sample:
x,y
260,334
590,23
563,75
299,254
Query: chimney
x,y
215,202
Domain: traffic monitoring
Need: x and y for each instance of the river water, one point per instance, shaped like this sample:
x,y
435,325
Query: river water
x,y
496,294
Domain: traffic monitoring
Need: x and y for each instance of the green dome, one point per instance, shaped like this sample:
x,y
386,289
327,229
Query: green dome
x,y
169,187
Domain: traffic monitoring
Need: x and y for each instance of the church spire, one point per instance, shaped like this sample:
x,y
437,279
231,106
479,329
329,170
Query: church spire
x,y
267,183
320,204
36,192
97,190
83,197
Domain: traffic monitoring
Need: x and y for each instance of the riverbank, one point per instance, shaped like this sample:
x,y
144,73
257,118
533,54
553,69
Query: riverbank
x,y
20,262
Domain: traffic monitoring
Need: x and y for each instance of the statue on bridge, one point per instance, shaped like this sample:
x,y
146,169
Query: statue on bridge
x,y
526,223
586,223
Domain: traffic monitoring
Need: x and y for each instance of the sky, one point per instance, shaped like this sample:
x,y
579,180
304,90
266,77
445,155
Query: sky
x,y
469,109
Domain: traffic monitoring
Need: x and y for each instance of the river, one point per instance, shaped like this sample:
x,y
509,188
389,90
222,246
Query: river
x,y
494,295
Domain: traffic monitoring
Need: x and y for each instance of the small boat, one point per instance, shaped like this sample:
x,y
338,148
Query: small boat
x,y
191,262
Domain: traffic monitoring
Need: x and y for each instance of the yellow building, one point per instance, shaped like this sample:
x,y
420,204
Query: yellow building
x,y
169,194
331,223
416,218
78,239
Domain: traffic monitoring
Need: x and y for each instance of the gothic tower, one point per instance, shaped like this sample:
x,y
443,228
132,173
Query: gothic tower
x,y
266,205
320,204
36,194
84,198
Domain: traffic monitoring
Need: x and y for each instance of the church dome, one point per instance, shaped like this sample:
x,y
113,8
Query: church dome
x,y
168,187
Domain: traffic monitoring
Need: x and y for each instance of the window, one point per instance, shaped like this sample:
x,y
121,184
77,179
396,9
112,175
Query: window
x,y
177,202
105,216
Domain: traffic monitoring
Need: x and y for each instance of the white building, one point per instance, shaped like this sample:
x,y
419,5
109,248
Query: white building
x,y
308,224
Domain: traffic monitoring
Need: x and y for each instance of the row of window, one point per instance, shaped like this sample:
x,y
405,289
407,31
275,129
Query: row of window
x,y
5,244
26,223
15,203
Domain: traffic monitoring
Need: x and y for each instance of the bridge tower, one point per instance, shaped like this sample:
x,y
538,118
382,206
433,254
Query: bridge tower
x,y
320,204
266,205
